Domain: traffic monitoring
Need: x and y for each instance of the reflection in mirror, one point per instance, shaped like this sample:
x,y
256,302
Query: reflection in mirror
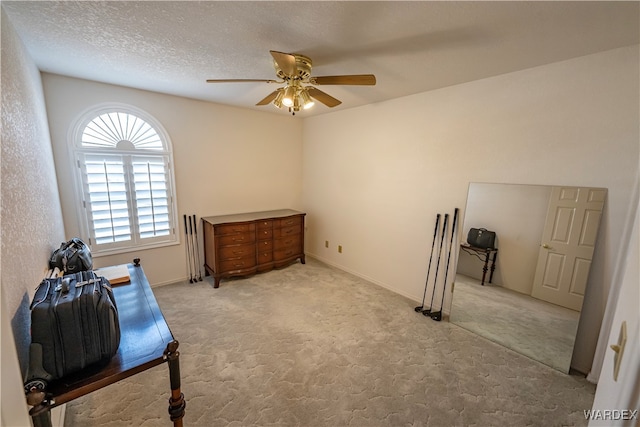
x,y
545,238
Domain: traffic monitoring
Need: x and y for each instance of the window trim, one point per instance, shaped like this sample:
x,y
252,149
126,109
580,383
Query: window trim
x,y
77,152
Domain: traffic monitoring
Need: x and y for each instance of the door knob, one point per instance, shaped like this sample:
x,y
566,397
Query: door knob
x,y
546,246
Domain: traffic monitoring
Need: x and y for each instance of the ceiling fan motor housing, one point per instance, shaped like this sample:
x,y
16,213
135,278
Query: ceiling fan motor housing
x,y
303,68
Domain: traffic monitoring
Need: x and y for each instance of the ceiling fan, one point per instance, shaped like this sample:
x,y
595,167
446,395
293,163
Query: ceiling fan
x,y
294,71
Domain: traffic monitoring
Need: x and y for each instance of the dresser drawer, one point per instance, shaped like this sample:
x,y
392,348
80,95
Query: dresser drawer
x,y
264,224
236,239
290,221
230,266
265,245
287,231
265,233
234,228
285,254
287,242
236,251
265,256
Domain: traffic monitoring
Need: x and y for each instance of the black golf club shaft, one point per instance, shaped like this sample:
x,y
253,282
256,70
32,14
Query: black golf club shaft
x,y
186,242
433,244
435,280
193,253
197,248
438,315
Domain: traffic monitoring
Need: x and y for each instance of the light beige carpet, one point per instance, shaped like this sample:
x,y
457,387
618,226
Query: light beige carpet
x,y
310,345
538,329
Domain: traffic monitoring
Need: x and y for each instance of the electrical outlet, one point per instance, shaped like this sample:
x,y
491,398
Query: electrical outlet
x,y
326,243
339,249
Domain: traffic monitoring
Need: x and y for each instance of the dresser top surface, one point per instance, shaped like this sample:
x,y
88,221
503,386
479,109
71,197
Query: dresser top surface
x,y
251,216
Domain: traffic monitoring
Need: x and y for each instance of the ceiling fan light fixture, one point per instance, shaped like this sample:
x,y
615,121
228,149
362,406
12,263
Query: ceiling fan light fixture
x,y
307,102
296,103
278,101
289,96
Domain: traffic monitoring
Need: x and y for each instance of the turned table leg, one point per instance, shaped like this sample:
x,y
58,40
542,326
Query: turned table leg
x,y
40,412
493,266
485,268
42,419
176,402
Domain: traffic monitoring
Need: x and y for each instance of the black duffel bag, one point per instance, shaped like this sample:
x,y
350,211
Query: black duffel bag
x,y
481,238
72,257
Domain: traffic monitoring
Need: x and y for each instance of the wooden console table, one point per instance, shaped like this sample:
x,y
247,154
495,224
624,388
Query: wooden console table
x,y
248,243
146,341
483,255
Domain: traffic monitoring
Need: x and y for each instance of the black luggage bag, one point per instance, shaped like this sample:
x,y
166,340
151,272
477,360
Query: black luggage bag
x,y
481,238
72,256
74,324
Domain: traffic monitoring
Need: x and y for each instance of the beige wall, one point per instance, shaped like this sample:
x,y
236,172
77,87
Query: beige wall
x,y
31,217
227,160
375,177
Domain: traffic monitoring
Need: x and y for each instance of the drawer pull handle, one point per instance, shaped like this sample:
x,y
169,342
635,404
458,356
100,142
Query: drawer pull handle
x,y
266,232
238,239
240,265
289,231
266,243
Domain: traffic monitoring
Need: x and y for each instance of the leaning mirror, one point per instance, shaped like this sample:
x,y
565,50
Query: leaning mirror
x,y
527,293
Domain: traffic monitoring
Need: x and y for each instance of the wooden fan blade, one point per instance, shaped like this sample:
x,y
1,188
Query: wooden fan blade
x,y
269,98
325,98
286,62
354,79
241,81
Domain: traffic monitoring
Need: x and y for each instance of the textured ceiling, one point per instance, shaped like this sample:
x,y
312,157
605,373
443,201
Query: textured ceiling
x,y
173,47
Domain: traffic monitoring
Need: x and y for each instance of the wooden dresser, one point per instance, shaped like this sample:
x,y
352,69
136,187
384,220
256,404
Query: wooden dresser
x,y
248,243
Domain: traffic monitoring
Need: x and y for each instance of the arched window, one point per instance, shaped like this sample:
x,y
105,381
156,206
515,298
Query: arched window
x,y
125,174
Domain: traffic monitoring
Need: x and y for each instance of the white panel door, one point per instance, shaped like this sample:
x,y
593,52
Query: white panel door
x,y
568,242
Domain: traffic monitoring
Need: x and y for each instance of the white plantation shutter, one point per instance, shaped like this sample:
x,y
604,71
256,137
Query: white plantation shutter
x,y
108,201
127,182
152,196
107,130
